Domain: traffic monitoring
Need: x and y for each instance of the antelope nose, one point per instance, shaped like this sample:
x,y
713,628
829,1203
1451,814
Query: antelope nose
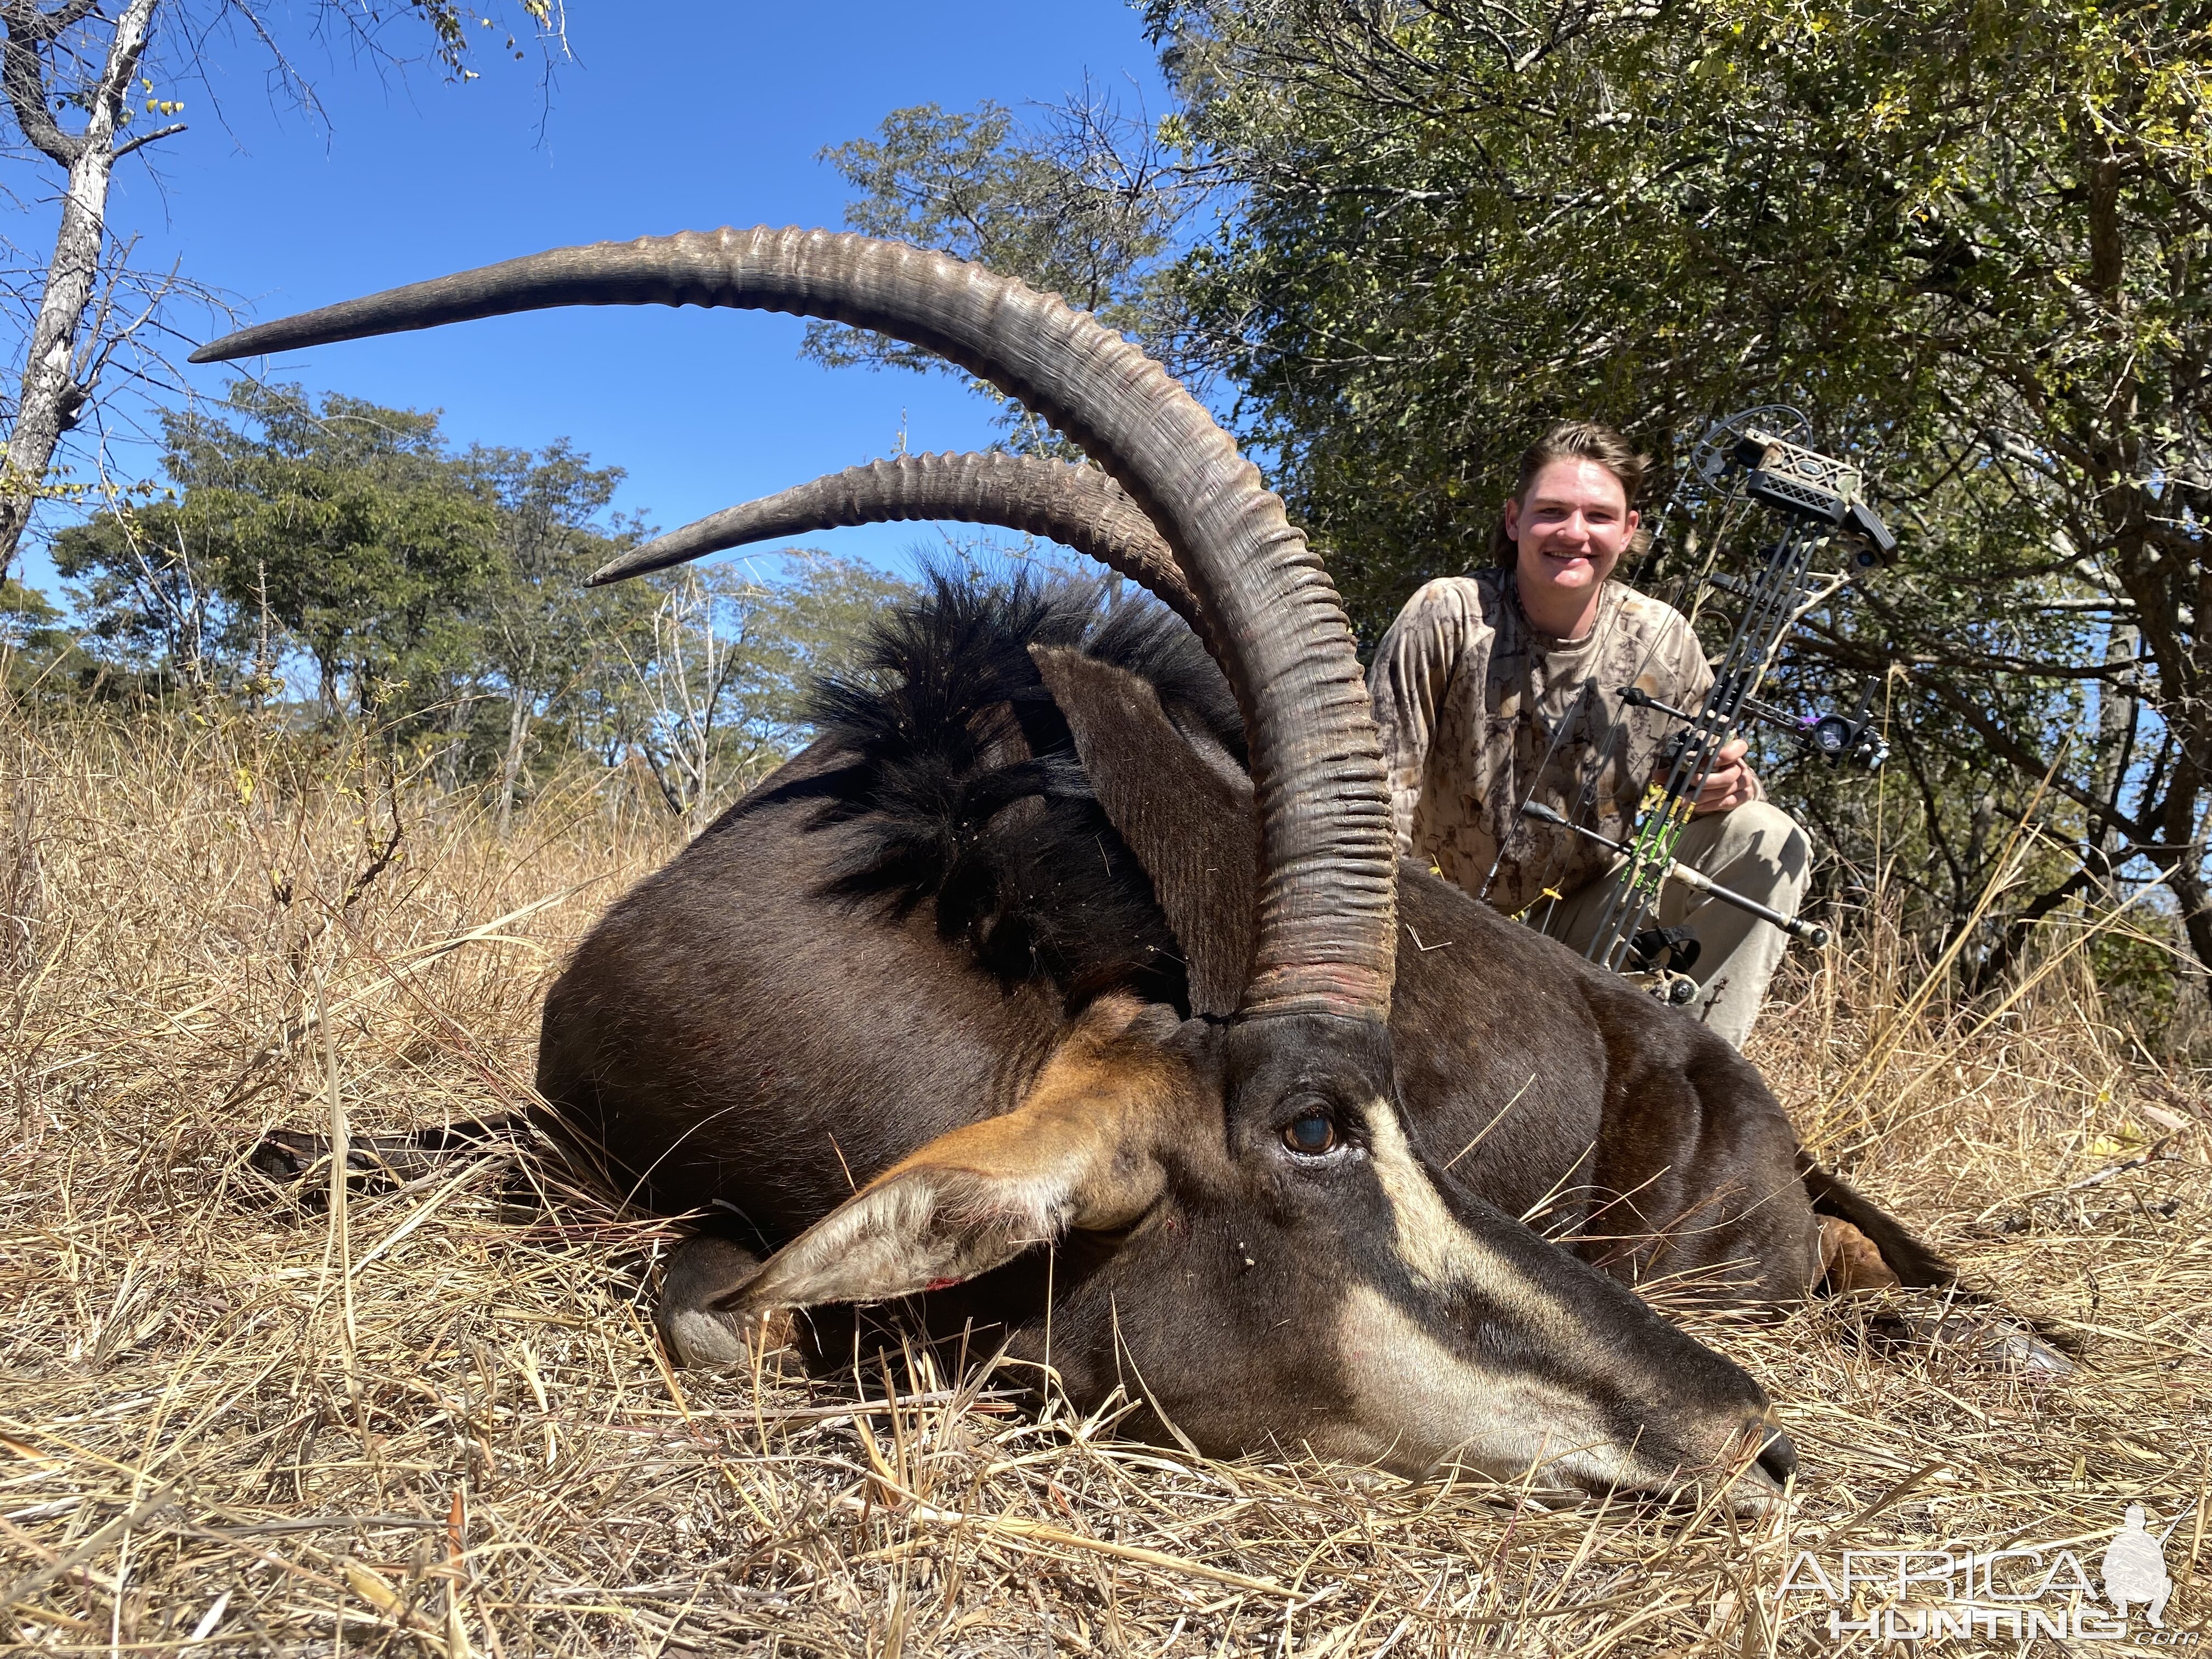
x,y
1777,1458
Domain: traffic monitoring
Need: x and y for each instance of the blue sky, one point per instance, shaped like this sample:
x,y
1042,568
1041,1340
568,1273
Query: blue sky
x,y
672,116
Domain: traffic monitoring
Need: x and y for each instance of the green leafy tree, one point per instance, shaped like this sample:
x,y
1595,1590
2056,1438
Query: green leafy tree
x,y
40,660
74,76
148,597
349,522
446,596
541,631
1075,204
1968,240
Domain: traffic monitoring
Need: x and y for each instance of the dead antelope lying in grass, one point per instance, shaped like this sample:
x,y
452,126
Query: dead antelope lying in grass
x,y
1558,1082
1059,936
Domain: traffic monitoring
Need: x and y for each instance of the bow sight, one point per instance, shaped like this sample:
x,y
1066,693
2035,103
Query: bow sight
x,y
1822,504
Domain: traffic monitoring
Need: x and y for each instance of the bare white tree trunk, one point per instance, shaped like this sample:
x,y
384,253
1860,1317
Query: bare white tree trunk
x,y
690,685
57,378
510,771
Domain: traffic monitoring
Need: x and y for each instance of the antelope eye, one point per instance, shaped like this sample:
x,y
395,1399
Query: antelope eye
x,y
1310,1134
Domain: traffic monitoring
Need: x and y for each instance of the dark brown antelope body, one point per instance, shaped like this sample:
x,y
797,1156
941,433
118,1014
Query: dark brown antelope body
x,y
1252,1238
815,989
1553,1087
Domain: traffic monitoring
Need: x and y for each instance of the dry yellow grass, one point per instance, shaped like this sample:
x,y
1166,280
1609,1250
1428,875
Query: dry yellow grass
x,y
434,1419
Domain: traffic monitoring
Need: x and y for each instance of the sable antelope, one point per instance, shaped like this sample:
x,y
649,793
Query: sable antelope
x,y
1702,1177
1255,1236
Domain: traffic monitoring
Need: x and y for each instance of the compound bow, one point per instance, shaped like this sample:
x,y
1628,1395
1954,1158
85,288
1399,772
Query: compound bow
x,y
1821,504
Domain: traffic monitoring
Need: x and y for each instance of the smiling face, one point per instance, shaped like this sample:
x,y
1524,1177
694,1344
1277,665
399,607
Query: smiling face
x,y
1570,528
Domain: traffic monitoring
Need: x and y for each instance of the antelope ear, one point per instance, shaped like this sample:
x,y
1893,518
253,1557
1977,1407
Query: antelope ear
x,y
1079,1152
1181,802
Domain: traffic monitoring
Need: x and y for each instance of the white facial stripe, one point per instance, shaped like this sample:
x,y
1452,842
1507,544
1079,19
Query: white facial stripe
x,y
1418,1400
1436,1250
1417,1403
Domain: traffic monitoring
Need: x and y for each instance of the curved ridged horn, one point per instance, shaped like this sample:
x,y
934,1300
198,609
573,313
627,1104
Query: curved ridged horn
x,y
1077,505
1327,916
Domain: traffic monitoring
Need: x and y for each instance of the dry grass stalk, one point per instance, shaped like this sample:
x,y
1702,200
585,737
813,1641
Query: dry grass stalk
x,y
431,1421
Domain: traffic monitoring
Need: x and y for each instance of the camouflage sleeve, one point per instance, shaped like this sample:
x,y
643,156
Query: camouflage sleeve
x,y
1412,668
1686,658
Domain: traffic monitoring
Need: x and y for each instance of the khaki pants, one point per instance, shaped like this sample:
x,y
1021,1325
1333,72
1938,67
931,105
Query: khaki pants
x,y
1756,850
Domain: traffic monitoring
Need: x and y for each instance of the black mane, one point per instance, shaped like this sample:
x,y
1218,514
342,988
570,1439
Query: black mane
x,y
961,778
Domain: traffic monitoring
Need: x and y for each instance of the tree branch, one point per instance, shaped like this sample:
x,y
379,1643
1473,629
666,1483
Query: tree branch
x,y
146,138
2011,748
1999,961
23,73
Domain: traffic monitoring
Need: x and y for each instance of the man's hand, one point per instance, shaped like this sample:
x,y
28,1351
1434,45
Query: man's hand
x,y
1727,785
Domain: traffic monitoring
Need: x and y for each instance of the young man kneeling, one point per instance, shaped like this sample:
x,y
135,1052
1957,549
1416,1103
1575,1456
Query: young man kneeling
x,y
1477,677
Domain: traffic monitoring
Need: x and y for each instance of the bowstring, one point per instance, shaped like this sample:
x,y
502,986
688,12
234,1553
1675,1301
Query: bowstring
x,y
1694,583
1632,902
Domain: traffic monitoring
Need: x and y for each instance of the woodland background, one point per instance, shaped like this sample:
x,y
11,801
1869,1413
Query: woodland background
x,y
1389,238
317,759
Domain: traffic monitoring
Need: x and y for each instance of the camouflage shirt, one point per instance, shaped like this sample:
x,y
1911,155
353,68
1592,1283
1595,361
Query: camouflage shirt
x,y
1470,698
